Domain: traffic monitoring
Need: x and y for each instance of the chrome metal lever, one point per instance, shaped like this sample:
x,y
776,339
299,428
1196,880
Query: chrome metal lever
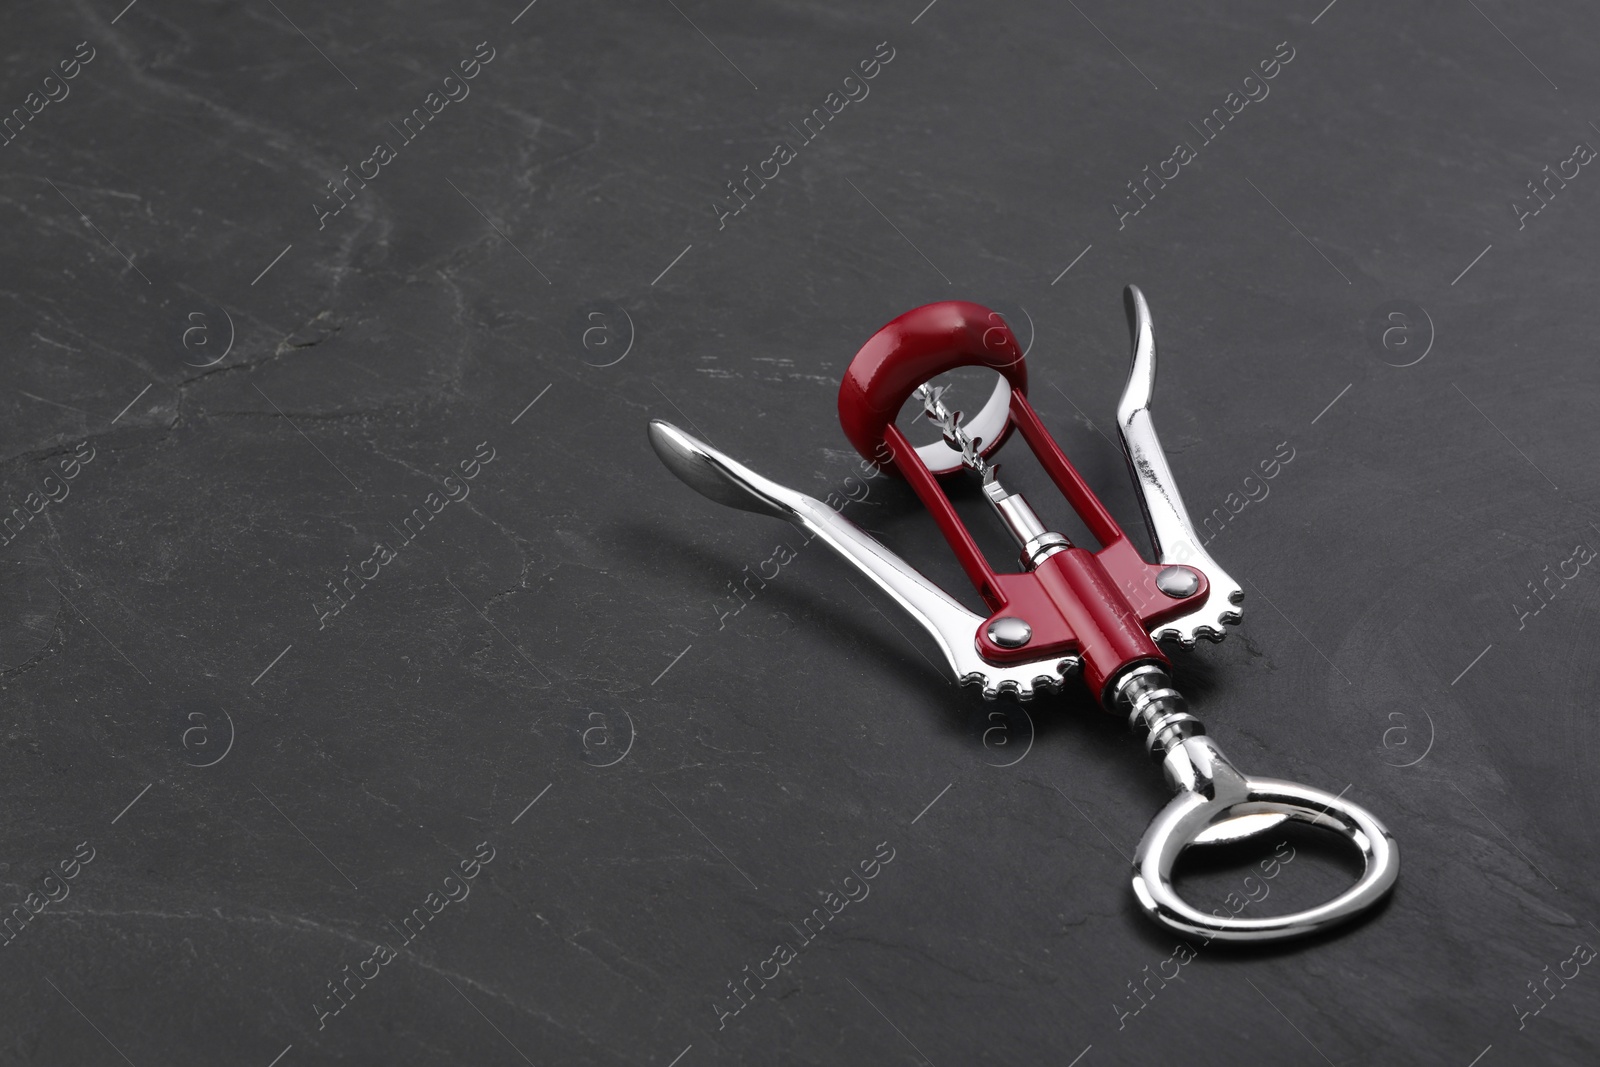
x,y
954,629
1172,533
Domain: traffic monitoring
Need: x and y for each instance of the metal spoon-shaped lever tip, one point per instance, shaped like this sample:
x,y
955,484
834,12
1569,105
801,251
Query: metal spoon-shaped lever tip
x,y
709,473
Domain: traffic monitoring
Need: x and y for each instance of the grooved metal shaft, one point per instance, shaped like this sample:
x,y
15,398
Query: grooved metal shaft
x,y
1145,695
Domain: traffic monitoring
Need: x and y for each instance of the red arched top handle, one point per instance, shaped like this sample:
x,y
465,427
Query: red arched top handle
x,y
922,344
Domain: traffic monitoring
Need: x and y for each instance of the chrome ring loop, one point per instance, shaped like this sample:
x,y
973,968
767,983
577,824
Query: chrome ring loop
x,y
1190,814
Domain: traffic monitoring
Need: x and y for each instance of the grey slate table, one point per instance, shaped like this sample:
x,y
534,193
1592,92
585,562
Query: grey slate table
x,y
372,694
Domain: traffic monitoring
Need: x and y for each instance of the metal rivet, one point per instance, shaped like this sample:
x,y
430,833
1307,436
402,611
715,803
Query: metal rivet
x,y
1010,632
1178,582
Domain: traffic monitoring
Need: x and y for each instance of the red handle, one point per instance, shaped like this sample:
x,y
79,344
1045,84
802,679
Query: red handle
x,y
922,344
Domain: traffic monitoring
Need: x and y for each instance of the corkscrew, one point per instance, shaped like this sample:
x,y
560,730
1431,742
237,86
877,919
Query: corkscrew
x,y
1068,611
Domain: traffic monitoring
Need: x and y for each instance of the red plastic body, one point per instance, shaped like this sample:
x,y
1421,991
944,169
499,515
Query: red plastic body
x,y
921,344
1099,605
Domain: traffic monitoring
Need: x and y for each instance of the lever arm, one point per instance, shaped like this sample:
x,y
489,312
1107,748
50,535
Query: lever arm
x,y
727,481
1172,533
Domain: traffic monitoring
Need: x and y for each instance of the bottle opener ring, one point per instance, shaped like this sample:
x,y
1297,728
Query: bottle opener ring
x,y
1068,610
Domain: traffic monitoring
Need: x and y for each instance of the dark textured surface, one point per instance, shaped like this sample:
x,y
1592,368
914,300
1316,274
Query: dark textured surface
x,y
518,645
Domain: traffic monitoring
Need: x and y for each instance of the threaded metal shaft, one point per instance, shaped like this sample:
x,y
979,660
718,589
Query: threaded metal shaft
x,y
1145,695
